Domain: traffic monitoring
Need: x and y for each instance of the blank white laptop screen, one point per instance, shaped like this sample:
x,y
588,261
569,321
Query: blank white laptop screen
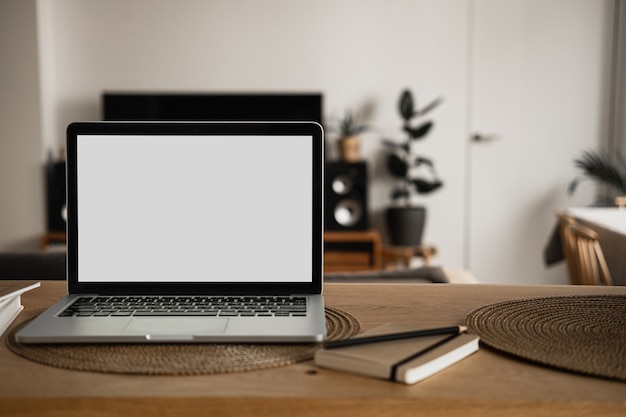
x,y
206,208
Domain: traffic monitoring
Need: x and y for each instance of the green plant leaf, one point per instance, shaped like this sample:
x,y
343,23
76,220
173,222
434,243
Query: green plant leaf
x,y
396,146
406,105
425,161
397,166
609,169
399,193
425,187
391,144
431,106
349,125
419,132
572,185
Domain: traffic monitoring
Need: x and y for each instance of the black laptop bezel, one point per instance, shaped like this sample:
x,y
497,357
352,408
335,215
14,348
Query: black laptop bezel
x,y
312,129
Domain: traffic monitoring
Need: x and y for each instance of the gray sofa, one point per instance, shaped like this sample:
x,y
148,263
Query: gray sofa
x,y
426,274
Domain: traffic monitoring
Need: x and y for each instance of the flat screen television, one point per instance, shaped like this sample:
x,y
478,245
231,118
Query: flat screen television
x,y
131,106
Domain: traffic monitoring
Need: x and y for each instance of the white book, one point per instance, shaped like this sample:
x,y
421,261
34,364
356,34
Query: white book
x,y
11,300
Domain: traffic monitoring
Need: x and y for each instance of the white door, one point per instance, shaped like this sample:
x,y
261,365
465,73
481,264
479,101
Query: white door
x,y
538,78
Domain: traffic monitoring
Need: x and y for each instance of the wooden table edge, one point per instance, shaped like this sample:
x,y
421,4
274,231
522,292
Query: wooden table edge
x,y
298,406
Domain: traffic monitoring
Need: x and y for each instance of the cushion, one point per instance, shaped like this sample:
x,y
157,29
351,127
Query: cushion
x,y
426,274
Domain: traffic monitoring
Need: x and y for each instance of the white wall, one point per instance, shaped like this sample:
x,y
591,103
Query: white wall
x,y
359,54
617,132
22,217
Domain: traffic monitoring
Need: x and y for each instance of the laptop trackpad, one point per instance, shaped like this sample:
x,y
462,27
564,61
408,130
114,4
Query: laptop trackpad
x,y
163,326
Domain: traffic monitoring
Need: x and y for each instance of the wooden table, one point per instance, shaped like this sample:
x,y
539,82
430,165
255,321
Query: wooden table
x,y
486,383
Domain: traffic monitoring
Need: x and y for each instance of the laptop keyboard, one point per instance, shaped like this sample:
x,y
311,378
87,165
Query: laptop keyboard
x,y
116,306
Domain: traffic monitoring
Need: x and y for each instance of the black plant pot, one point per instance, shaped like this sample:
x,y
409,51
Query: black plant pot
x,y
406,225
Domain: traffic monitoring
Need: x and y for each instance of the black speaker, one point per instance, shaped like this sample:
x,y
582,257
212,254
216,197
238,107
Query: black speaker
x,y
55,184
346,196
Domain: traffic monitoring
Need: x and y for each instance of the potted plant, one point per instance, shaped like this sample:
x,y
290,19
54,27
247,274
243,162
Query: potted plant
x,y
415,173
605,168
349,142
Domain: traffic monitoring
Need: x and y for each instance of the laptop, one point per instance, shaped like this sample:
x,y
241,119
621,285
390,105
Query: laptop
x,y
191,232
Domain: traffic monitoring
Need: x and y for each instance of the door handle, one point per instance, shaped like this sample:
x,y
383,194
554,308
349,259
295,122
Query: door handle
x,y
485,137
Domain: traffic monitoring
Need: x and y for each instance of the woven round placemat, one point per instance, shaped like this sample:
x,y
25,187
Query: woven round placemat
x,y
181,359
585,334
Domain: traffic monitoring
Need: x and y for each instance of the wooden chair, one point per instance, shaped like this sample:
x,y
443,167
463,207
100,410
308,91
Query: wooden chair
x,y
585,260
